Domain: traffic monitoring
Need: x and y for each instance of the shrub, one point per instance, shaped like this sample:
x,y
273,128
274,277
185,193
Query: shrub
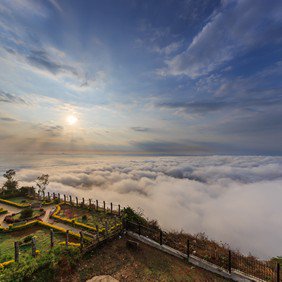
x,y
84,217
27,239
26,213
134,216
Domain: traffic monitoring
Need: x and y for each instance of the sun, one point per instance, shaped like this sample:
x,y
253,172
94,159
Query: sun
x,y
71,119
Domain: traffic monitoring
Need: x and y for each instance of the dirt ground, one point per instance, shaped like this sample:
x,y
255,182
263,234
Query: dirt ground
x,y
145,264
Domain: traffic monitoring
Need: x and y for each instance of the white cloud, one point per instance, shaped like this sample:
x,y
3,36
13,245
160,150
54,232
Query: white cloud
x,y
233,199
232,30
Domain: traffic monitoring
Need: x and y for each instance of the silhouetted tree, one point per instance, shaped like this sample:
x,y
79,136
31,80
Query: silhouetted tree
x,y
42,182
11,184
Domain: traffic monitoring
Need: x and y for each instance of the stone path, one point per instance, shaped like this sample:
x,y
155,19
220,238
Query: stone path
x,y
45,218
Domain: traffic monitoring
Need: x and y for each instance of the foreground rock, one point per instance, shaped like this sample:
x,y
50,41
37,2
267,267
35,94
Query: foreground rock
x,y
102,278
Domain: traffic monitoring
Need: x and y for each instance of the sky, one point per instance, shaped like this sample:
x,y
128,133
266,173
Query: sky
x,y
141,77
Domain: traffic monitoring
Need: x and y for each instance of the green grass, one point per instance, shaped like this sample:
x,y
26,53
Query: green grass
x,y
42,237
93,217
20,200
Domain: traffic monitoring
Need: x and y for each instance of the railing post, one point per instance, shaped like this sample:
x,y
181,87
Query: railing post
x,y
83,202
54,196
33,247
59,197
161,237
89,203
188,249
118,210
52,237
64,198
111,208
70,200
17,253
97,205
76,199
43,192
104,206
49,196
67,238
278,272
81,241
229,261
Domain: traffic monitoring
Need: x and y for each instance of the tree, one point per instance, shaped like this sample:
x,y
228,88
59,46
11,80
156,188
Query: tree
x,y
42,182
26,213
11,184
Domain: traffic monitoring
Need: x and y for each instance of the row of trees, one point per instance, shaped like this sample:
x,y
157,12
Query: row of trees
x,y
11,185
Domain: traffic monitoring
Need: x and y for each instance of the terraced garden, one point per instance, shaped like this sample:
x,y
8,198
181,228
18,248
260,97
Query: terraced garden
x,y
42,238
88,217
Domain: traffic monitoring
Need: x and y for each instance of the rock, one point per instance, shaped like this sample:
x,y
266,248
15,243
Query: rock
x,y
102,278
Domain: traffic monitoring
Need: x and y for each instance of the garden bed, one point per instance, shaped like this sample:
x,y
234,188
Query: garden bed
x,y
86,218
16,217
42,238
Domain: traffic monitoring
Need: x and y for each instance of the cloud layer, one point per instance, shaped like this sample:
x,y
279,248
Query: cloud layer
x,y
233,199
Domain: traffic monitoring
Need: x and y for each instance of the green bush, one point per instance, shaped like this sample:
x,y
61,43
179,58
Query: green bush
x,y
26,213
134,216
27,239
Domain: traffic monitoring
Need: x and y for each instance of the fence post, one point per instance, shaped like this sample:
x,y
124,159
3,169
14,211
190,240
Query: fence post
x,y
54,196
97,205
52,238
229,261
76,199
64,198
70,200
49,196
81,241
118,210
89,203
139,229
188,249
33,247
124,225
17,253
83,202
278,272
67,238
111,208
97,229
59,197
161,237
43,192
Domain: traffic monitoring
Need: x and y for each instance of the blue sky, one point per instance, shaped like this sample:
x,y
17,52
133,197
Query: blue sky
x,y
158,77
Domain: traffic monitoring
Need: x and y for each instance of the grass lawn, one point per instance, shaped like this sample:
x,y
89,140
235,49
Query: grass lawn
x,y
42,237
21,200
93,218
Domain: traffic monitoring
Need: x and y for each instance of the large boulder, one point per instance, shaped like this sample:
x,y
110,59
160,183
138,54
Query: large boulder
x,y
102,278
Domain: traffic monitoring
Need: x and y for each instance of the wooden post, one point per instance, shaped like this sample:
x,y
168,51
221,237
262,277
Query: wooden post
x,y
52,238
70,200
17,252
43,192
64,198
83,202
188,249
111,208
59,197
97,228
161,237
229,261
67,238
81,241
278,272
49,196
107,229
97,205
104,206
118,210
76,201
54,196
33,247
89,203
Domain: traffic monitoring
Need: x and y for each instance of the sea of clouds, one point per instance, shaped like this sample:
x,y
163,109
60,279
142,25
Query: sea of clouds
x,y
234,199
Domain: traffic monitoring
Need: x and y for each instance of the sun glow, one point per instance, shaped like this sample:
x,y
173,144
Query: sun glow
x,y
71,119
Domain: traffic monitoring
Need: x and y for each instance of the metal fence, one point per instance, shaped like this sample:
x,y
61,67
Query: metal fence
x,y
211,252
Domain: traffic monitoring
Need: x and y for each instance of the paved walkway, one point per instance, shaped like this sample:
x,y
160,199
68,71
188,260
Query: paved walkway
x,y
45,218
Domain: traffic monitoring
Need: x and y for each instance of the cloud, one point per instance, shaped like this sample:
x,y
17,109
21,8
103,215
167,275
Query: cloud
x,y
11,98
233,30
7,119
233,199
140,129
